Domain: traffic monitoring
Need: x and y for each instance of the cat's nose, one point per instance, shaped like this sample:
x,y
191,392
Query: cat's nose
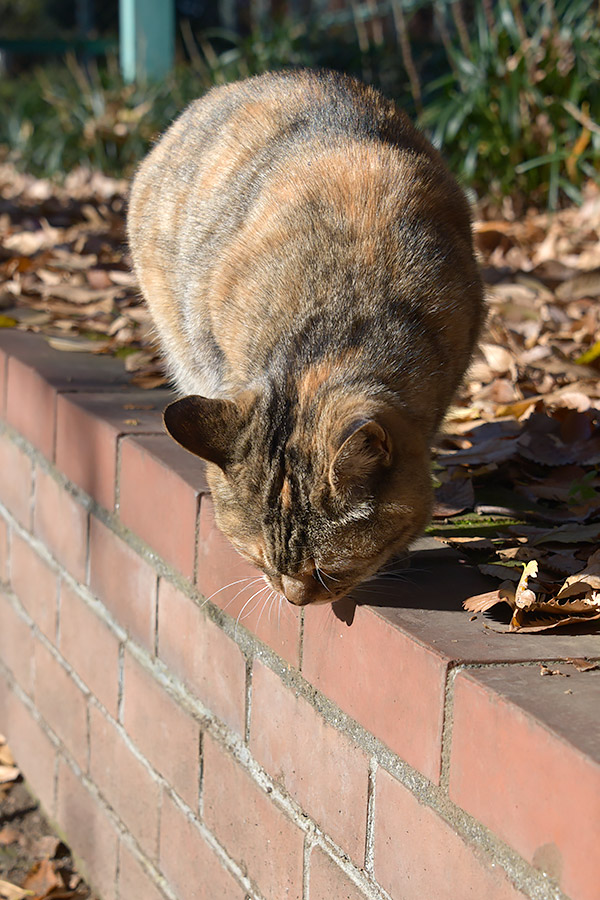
x,y
300,589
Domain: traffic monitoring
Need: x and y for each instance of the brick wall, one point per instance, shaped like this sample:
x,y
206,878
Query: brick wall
x,y
400,750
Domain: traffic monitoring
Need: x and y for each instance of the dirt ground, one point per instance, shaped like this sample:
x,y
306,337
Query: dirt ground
x,y
34,862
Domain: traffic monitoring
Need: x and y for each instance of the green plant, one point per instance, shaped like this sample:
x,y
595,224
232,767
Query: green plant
x,y
60,116
517,112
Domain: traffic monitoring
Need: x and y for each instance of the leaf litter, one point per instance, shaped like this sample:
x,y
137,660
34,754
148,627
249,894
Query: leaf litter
x,y
34,862
517,463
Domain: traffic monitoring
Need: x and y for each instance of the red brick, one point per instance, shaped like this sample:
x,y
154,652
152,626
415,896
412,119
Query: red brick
x,y
124,582
90,647
383,678
30,406
199,653
35,584
88,427
15,481
61,703
34,752
425,602
187,861
319,766
134,881
160,484
328,882
417,854
89,832
16,644
54,506
526,762
266,844
3,367
167,735
124,781
219,565
4,536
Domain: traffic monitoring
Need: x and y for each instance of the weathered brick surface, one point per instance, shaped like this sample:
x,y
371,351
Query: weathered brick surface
x,y
260,837
16,644
61,703
3,367
86,450
124,781
31,406
321,768
61,523
91,834
382,678
36,585
15,480
33,750
124,582
90,647
4,539
533,805
209,663
165,733
328,882
88,427
134,881
187,861
418,855
160,487
386,669
219,566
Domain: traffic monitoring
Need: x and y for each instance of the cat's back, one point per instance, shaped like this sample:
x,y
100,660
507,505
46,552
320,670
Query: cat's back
x,y
284,201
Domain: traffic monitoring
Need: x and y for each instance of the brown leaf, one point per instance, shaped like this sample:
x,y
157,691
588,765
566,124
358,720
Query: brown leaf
x,y
8,774
453,497
10,891
42,879
480,602
587,582
583,665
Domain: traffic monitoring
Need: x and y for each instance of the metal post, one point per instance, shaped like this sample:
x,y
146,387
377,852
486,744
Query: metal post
x,y
146,38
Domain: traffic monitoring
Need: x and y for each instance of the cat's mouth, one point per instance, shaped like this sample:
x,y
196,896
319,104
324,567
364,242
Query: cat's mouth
x,y
302,590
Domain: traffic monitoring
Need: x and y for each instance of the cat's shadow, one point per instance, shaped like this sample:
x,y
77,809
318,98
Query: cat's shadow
x,y
434,577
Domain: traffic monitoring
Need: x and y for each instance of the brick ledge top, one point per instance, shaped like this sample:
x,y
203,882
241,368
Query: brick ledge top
x,y
107,439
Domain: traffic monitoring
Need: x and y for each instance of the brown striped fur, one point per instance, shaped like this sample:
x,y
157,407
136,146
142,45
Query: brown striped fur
x,y
307,259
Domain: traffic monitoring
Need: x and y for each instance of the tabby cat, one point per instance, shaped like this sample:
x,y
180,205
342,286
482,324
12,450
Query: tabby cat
x,y
307,259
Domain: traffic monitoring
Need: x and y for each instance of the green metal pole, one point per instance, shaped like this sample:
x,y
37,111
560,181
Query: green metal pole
x,y
146,38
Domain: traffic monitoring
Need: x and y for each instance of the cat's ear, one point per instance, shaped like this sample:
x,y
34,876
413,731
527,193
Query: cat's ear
x,y
205,427
366,448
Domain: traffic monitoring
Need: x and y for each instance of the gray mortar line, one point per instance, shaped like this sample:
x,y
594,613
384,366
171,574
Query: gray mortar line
x,y
472,832
370,825
447,726
248,703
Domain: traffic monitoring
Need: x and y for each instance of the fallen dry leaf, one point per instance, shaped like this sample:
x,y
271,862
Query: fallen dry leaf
x,y
583,665
8,774
10,891
42,879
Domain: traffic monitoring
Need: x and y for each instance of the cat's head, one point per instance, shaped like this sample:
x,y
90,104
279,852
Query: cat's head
x,y
319,505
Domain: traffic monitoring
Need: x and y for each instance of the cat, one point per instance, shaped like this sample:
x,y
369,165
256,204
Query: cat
x,y
307,259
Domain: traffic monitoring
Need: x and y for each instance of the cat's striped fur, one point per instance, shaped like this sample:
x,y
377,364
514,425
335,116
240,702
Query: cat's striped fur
x,y
308,262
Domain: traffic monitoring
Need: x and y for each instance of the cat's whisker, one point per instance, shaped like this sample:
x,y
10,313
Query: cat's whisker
x,y
320,577
224,588
272,600
327,575
239,615
241,591
263,609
